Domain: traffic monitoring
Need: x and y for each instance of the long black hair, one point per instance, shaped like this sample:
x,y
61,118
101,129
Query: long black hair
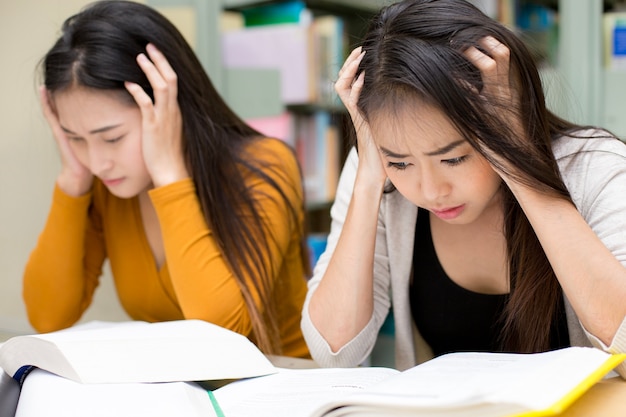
x,y
414,51
98,48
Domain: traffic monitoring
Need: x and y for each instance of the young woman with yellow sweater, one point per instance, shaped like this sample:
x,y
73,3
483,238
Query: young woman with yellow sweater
x,y
198,214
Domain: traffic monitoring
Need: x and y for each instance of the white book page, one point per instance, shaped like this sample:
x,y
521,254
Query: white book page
x,y
185,350
46,394
295,392
532,381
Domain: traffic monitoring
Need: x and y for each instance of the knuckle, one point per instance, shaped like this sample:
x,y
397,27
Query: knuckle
x,y
160,87
171,78
489,65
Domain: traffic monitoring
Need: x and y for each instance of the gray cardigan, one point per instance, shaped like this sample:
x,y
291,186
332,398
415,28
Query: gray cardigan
x,y
594,171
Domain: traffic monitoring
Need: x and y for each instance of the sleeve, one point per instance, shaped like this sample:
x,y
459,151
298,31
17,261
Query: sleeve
x,y
63,269
204,284
597,182
358,349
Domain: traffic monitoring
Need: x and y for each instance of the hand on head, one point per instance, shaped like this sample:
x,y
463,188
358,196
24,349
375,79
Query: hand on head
x,y
499,91
349,89
75,179
161,120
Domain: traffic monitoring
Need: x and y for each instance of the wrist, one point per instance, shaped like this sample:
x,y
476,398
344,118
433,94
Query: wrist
x,y
369,187
74,186
166,177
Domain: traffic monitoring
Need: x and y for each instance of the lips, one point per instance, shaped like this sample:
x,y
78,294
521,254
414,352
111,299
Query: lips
x,y
449,213
112,182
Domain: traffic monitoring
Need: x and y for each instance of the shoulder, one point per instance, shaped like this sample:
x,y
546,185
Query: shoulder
x,y
270,158
589,154
583,145
270,151
593,167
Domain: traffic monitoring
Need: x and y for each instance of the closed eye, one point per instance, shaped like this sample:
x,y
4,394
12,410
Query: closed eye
x,y
455,161
400,166
113,140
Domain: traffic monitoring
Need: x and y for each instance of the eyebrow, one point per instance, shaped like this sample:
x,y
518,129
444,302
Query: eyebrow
x,y
99,130
440,151
447,148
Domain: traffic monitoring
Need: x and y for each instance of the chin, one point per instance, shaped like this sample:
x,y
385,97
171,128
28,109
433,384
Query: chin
x,y
124,194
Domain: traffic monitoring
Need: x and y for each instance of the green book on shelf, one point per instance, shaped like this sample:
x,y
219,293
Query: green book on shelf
x,y
274,13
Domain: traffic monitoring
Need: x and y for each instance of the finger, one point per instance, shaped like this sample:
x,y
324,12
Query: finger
x,y
494,48
485,64
67,155
499,53
357,86
49,114
142,99
346,78
164,68
353,55
491,57
157,82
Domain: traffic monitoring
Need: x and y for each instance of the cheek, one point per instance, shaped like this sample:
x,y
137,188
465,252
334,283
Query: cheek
x,y
484,181
405,182
133,152
80,151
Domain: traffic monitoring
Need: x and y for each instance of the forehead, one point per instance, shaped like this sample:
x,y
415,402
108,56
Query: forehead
x,y
84,107
78,96
412,127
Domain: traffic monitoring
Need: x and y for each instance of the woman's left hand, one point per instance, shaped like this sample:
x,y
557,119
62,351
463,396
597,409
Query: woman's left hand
x,y
492,59
162,143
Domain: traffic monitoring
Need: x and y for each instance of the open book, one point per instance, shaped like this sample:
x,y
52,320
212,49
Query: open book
x,y
457,384
137,352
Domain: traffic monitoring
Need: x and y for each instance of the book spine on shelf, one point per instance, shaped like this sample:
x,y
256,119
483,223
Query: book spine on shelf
x,y
307,55
614,26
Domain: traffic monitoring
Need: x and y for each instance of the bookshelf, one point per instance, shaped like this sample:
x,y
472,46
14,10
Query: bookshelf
x,y
579,86
319,123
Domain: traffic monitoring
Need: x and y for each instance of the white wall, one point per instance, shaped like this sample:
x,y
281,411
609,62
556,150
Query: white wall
x,y
28,157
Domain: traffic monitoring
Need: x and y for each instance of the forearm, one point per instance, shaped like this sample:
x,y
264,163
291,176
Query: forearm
x,y
56,288
205,285
343,303
593,280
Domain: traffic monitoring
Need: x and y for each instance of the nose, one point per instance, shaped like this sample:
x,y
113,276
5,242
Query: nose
x,y
433,186
99,161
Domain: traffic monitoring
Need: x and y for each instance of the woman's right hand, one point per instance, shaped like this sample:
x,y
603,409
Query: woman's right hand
x,y
75,179
349,89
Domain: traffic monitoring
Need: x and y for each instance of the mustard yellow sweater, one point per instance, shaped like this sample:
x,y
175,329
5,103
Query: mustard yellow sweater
x,y
63,270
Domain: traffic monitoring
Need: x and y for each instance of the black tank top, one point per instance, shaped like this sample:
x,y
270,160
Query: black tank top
x,y
451,318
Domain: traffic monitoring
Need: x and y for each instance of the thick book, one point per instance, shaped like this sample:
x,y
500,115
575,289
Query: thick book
x,y
46,394
456,384
137,352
